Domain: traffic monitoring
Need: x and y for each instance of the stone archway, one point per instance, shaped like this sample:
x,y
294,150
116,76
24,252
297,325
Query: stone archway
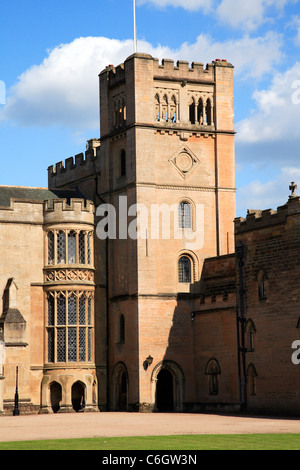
x,y
55,396
120,387
78,396
167,374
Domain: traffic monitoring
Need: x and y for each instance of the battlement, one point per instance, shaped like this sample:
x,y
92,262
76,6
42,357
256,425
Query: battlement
x,y
83,165
257,219
167,69
74,211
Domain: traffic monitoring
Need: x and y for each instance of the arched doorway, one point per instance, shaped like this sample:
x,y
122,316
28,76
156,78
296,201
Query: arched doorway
x,y
78,396
167,387
164,391
55,396
120,387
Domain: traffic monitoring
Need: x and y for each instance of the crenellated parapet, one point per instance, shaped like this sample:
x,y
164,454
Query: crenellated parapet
x,y
77,168
259,219
75,211
165,68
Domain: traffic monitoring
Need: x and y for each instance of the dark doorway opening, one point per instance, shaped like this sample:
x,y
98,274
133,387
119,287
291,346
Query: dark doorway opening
x,y
55,396
165,391
78,396
122,405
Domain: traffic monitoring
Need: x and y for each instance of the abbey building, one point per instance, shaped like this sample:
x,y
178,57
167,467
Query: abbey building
x,y
129,284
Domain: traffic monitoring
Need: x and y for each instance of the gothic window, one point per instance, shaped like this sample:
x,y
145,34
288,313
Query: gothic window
x,y
157,108
213,371
208,112
200,112
50,248
173,109
61,247
69,327
261,279
164,116
192,111
72,247
184,269
184,215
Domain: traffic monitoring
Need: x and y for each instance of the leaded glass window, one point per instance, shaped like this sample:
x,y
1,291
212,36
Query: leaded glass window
x,y
61,310
50,248
72,344
82,247
69,326
184,269
61,345
82,344
89,248
72,247
61,247
82,310
184,215
72,310
50,344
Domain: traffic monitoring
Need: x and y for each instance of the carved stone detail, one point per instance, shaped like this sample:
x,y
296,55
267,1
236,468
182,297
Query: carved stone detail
x,y
59,275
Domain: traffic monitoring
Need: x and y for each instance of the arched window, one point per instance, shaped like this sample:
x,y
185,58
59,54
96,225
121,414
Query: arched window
x,y
208,112
122,329
192,111
184,269
213,371
157,108
173,109
200,112
123,163
164,111
261,279
184,215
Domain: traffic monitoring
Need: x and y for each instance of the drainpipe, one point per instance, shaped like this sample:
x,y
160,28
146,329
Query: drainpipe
x,y
241,321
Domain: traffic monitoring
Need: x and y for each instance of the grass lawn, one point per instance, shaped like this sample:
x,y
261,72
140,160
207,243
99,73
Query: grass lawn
x,y
179,443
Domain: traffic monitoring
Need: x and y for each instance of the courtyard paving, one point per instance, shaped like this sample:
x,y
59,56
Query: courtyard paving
x,y
84,425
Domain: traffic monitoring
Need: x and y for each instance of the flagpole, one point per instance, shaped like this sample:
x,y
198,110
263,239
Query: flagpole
x,y
134,28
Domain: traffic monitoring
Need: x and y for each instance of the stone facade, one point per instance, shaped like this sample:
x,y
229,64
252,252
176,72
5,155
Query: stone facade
x,y
181,321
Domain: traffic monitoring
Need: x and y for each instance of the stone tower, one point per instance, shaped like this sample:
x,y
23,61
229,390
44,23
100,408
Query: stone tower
x,y
167,146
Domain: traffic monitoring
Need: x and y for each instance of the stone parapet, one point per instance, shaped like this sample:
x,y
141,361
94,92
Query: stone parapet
x,y
259,219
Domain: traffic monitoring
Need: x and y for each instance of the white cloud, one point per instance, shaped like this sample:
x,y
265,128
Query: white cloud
x,y
191,5
249,15
63,89
277,112
269,195
241,14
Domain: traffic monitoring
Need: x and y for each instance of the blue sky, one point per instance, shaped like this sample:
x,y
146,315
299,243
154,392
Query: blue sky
x,y
52,51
